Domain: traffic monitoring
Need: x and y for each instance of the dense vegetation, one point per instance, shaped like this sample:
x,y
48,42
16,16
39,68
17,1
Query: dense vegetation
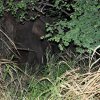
x,y
83,27
73,23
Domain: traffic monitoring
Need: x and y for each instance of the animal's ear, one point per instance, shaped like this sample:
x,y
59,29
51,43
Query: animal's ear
x,y
8,23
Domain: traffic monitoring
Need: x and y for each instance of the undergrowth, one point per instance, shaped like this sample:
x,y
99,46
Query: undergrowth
x,y
61,80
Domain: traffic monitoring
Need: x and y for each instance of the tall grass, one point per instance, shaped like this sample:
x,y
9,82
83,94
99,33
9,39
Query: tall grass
x,y
60,81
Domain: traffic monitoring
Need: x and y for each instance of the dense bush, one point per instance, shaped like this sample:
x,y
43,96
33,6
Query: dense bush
x,y
83,27
74,21
19,9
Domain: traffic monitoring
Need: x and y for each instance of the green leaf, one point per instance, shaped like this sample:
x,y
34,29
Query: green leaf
x,y
61,47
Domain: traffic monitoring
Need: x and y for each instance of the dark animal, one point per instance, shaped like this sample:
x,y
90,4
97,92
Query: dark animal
x,y
28,40
26,37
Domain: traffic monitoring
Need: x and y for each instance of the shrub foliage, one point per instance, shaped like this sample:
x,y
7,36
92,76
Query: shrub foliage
x,y
74,21
83,28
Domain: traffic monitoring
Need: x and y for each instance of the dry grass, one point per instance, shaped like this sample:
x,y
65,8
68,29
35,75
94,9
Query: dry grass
x,y
7,45
75,86
4,94
10,40
71,86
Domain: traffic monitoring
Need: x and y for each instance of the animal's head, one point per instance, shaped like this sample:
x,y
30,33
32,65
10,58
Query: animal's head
x,y
39,27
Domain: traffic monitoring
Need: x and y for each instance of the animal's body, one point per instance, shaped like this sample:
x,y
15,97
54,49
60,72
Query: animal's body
x,y
26,37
